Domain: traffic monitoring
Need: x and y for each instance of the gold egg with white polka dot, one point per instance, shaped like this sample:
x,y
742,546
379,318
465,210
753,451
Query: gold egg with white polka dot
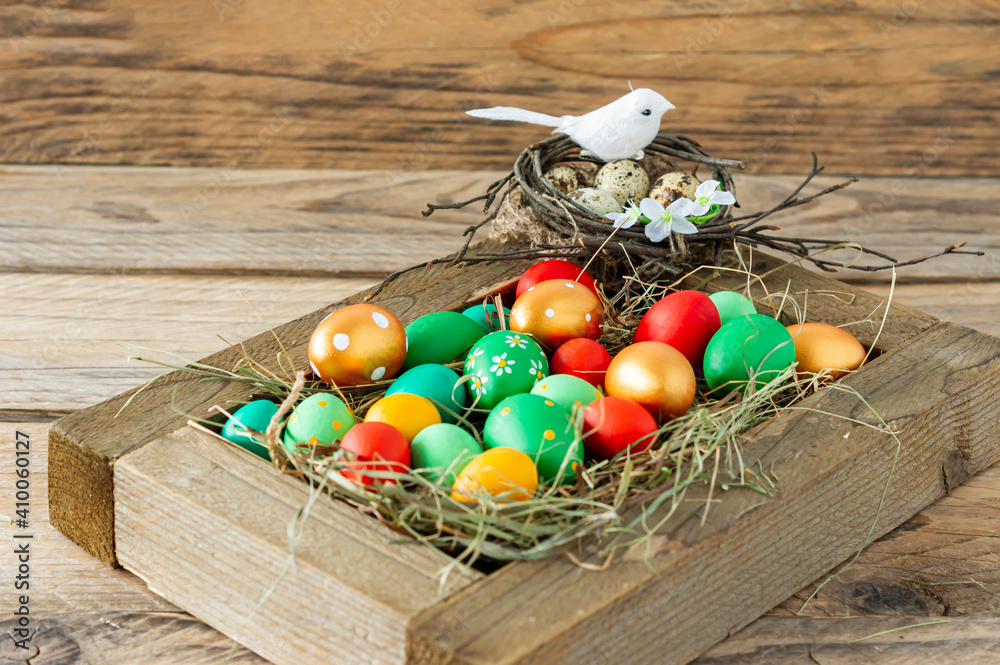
x,y
556,311
357,345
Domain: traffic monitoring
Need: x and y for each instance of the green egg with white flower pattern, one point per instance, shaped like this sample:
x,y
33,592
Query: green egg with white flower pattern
x,y
439,338
502,364
568,391
319,418
540,428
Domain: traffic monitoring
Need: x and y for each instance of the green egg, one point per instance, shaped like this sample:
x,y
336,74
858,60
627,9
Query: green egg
x,y
438,384
732,305
502,364
321,417
754,344
254,415
441,452
540,428
478,313
439,338
567,390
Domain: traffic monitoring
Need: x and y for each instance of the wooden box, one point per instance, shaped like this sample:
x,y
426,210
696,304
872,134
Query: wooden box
x,y
207,525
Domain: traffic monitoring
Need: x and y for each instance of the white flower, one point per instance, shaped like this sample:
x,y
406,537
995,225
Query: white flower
x,y
706,196
625,219
537,370
501,364
664,221
479,381
518,341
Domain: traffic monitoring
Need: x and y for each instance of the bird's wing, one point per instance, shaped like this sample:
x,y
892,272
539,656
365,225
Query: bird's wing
x,y
516,114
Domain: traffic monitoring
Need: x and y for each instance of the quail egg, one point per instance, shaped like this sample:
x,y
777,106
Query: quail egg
x,y
625,179
565,178
672,186
596,201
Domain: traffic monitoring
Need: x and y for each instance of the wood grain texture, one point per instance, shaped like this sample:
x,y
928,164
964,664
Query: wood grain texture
x,y
210,527
360,85
704,582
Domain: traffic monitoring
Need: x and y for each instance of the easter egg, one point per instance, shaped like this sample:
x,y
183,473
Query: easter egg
x,y
583,358
566,178
613,424
553,269
380,448
596,201
502,364
407,413
441,451
819,347
319,418
686,320
567,391
655,375
556,311
253,416
754,344
673,185
503,473
540,428
439,338
731,305
357,345
487,318
625,179
436,383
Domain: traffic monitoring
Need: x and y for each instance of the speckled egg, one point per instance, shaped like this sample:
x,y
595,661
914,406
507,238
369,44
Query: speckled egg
x,y
540,428
439,338
502,364
566,178
625,179
357,345
557,310
252,417
596,201
672,186
318,418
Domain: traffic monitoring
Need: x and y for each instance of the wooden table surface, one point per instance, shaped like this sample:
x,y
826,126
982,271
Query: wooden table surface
x,y
179,175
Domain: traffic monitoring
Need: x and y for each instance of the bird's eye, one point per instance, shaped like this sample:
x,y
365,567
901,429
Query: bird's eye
x,y
647,112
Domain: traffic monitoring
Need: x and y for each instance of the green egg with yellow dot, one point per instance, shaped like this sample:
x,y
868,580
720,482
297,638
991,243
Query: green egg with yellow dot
x,y
570,392
318,418
540,428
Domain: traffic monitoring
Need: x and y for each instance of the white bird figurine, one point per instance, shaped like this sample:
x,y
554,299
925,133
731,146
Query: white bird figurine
x,y
619,130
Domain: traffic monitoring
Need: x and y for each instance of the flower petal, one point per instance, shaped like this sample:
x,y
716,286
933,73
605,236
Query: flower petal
x,y
681,207
652,209
695,210
657,231
706,188
723,198
683,226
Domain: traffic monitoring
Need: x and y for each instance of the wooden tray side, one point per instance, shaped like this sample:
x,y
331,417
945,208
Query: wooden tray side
x,y
694,585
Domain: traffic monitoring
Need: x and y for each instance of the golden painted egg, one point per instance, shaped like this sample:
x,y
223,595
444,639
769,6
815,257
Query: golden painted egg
x,y
357,344
819,346
655,375
556,311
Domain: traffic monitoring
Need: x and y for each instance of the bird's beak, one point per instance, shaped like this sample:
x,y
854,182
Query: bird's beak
x,y
669,106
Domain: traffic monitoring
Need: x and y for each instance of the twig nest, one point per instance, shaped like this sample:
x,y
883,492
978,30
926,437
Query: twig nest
x,y
624,179
517,223
597,201
566,178
672,186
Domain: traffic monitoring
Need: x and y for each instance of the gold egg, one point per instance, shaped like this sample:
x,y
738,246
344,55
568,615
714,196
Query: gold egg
x,y
654,374
356,345
556,311
819,346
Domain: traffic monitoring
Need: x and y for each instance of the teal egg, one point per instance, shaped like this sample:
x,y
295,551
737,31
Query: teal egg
x,y
439,338
731,305
441,452
438,384
256,416
539,428
502,364
490,323
754,344
567,390
318,418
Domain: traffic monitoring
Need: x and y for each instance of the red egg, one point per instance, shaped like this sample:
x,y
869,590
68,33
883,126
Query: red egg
x,y
553,269
686,320
379,447
583,358
612,424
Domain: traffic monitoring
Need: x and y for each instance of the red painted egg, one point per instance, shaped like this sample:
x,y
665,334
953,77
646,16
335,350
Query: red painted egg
x,y
612,424
686,320
553,269
583,358
379,447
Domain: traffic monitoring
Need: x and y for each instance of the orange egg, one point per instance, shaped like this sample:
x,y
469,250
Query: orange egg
x,y
356,345
557,310
819,346
410,414
504,473
655,375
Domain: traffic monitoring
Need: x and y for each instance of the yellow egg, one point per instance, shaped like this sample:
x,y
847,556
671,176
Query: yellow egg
x,y
556,311
655,375
408,413
819,346
505,473
356,345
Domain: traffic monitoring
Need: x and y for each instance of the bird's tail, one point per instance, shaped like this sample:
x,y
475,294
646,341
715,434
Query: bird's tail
x,y
516,114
